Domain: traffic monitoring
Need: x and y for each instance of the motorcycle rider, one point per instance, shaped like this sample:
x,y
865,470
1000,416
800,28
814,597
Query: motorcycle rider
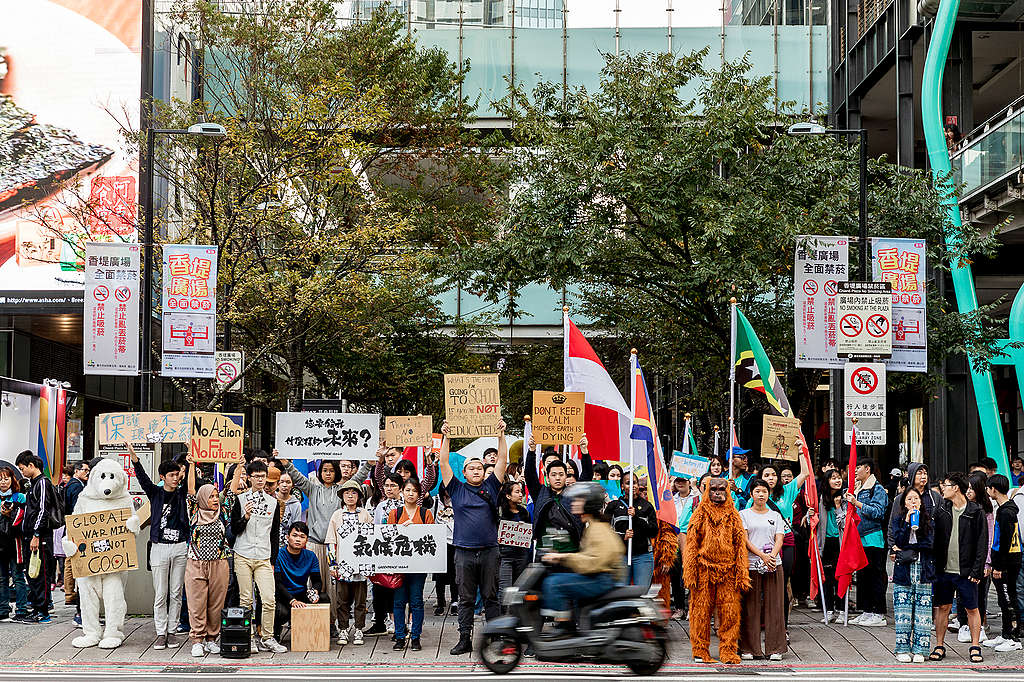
x,y
550,510
597,566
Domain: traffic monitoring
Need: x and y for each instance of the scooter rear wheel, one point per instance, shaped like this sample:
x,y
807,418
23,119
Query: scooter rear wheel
x,y
500,653
647,668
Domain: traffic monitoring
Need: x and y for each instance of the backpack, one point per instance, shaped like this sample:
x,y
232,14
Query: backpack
x,y
54,507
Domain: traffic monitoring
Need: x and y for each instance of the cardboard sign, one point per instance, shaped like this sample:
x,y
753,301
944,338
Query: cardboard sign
x,y
472,404
558,417
404,432
105,545
685,465
390,548
215,438
780,438
515,534
328,435
117,428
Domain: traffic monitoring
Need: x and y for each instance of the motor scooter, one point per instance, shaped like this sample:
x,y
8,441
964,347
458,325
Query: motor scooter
x,y
623,626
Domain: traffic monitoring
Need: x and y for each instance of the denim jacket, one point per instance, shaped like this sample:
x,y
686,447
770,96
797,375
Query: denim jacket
x,y
875,500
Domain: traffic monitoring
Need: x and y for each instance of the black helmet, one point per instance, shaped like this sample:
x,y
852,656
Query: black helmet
x,y
592,494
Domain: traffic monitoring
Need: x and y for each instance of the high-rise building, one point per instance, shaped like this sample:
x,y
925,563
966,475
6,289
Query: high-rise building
x,y
441,13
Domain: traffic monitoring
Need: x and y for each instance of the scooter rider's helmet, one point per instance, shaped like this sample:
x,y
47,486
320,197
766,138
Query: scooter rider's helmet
x,y
592,494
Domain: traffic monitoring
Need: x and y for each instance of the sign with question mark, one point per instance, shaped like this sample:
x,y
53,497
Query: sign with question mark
x,y
327,435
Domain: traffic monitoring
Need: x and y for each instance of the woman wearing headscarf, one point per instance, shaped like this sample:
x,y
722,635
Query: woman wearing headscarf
x,y
206,569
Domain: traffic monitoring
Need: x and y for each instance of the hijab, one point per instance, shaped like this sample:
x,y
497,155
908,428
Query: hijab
x,y
205,514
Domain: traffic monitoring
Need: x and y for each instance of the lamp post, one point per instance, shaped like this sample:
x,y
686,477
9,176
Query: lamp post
x,y
201,130
836,405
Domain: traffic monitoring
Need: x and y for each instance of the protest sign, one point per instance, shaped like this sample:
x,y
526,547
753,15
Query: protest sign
x,y
105,545
117,428
215,438
685,465
404,432
558,417
390,548
780,437
515,534
328,435
472,404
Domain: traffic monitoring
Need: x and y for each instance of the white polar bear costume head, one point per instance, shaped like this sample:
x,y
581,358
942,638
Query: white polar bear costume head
x,y
108,482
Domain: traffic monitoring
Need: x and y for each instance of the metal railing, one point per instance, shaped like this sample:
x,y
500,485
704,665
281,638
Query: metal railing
x,y
993,151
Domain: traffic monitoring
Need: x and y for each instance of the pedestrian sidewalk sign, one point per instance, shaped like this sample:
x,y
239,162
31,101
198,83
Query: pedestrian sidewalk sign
x,y
864,398
864,310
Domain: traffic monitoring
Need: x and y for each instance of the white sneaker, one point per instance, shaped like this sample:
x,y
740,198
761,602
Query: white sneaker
x,y
747,657
775,657
982,637
273,645
954,625
212,647
1009,645
357,637
918,658
876,621
964,634
859,619
994,641
903,658
389,625
343,637
198,650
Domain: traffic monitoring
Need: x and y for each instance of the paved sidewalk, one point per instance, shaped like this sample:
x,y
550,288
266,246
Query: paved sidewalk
x,y
814,646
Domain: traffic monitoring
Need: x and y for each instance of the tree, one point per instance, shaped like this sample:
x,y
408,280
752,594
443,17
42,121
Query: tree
x,y
346,175
661,205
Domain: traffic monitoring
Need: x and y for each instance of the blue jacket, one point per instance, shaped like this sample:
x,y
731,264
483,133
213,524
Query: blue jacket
x,y
925,539
872,514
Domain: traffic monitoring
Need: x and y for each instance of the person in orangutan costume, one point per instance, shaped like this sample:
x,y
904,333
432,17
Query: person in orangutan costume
x,y
665,546
715,571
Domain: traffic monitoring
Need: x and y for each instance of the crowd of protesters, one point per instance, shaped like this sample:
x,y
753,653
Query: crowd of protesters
x,y
265,536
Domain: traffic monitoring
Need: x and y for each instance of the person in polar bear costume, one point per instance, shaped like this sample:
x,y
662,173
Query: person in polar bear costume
x,y
106,490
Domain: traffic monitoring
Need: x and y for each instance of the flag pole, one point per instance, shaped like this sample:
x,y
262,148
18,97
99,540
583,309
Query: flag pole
x,y
565,365
732,377
849,517
714,450
632,409
686,434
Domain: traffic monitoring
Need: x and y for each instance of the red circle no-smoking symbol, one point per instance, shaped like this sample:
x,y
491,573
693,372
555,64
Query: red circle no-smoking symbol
x,y
810,287
863,380
851,324
101,292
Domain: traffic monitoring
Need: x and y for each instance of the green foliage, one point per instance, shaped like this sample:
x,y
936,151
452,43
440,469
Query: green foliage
x,y
662,206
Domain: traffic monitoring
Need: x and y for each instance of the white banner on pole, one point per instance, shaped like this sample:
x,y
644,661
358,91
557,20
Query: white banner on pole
x,y
391,548
820,264
327,435
864,398
189,311
110,341
903,263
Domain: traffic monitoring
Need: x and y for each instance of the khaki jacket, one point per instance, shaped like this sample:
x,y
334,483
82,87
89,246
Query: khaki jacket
x,y
601,551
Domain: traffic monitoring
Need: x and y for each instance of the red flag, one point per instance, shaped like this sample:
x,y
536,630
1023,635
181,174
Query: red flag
x,y
851,554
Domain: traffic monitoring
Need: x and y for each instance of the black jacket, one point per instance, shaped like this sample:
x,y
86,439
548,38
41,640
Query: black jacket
x,y
973,539
1006,543
645,522
39,497
72,490
177,519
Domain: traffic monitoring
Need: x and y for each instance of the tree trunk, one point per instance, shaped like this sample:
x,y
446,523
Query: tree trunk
x,y
296,356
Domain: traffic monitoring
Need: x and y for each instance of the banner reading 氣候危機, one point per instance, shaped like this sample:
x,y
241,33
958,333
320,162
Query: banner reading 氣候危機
x,y
392,548
820,264
189,311
110,335
902,263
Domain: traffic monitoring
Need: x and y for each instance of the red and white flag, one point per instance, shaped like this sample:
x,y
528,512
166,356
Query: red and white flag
x,y
608,418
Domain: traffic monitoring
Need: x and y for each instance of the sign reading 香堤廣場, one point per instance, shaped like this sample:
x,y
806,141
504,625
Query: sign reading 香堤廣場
x,y
327,435
110,343
820,264
903,263
472,405
189,311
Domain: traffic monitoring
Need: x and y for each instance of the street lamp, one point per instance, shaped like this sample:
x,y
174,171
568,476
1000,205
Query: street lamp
x,y
213,130
811,128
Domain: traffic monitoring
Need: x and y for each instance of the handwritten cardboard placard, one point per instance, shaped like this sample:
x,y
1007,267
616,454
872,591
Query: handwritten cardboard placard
x,y
117,428
515,534
558,417
405,432
105,545
215,438
780,437
472,404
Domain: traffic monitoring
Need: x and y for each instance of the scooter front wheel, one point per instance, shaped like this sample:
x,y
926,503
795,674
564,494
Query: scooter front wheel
x,y
500,653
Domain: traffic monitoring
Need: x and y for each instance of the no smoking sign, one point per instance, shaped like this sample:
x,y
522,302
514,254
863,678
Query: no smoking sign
x,y
229,365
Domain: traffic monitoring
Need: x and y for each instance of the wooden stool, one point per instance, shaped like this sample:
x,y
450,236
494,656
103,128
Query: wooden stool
x,y
311,628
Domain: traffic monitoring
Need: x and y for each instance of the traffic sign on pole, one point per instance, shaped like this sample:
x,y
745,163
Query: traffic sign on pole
x,y
229,366
864,399
864,310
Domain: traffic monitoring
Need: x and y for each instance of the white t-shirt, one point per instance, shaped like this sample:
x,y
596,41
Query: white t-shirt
x,y
254,542
761,530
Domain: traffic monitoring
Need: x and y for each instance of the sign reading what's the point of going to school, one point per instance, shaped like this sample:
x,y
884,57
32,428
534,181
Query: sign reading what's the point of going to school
x,y
472,405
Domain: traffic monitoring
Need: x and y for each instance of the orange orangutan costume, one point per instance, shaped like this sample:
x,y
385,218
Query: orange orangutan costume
x,y
715,571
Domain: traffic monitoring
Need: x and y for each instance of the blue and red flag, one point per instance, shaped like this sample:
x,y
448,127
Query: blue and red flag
x,y
645,430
